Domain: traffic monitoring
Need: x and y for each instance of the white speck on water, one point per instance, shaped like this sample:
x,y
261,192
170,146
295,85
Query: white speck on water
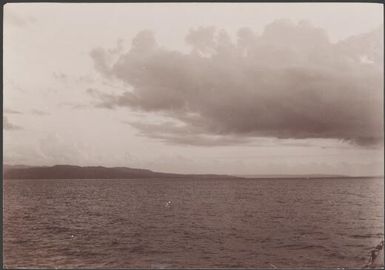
x,y
168,204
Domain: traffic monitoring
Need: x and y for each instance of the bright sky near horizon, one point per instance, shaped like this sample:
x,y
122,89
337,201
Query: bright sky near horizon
x,y
236,88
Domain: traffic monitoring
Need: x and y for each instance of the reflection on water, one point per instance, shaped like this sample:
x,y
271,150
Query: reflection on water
x,y
159,223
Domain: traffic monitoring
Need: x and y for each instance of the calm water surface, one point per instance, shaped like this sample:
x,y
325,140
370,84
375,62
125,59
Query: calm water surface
x,y
159,223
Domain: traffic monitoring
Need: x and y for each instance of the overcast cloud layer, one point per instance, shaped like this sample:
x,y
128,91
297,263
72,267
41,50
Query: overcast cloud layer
x,y
288,82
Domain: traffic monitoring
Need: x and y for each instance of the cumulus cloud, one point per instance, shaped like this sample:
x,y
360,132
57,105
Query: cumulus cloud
x,y
288,82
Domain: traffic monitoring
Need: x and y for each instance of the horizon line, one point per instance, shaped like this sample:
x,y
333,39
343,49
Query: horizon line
x,y
247,176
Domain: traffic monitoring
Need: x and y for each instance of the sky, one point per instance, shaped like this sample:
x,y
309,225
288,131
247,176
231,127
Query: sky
x,y
234,88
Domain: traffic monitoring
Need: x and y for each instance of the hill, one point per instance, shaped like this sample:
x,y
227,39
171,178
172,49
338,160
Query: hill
x,y
92,172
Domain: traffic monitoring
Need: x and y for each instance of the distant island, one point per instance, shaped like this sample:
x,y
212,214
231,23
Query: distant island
x,y
100,172
92,172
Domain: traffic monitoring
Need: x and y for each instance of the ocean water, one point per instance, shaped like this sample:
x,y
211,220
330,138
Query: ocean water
x,y
166,223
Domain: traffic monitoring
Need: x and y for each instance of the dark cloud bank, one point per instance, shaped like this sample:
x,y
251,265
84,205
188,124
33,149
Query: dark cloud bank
x,y
288,82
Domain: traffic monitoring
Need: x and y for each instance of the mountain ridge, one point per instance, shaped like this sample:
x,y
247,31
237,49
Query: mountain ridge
x,y
65,171
91,172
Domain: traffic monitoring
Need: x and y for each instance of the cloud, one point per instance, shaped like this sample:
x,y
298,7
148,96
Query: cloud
x,y
73,105
39,112
176,134
288,82
14,19
7,125
61,77
11,111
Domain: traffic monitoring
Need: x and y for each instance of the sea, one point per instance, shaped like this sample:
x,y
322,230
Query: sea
x,y
192,223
